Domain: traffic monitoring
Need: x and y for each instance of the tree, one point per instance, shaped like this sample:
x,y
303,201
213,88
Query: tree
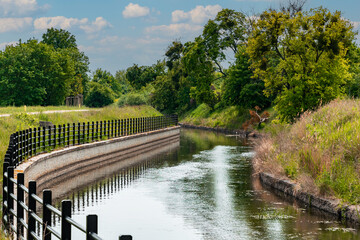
x,y
140,76
240,87
99,95
105,78
33,73
164,96
226,31
301,58
64,42
59,38
200,72
120,77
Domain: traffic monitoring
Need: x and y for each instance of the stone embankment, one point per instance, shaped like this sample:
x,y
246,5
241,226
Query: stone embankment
x,y
334,207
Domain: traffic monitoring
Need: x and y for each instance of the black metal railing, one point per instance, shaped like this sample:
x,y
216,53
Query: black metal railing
x,y
30,142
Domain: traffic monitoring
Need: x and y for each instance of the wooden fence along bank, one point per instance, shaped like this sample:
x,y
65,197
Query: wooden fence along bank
x,y
20,200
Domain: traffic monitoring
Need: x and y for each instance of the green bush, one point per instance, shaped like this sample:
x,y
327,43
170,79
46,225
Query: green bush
x,y
99,95
132,99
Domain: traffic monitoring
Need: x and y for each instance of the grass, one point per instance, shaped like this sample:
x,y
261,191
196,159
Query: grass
x,y
231,117
321,151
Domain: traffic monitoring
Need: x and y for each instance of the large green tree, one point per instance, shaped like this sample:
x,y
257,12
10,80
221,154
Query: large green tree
x,y
200,72
65,43
240,87
59,38
33,73
227,31
105,78
301,58
139,76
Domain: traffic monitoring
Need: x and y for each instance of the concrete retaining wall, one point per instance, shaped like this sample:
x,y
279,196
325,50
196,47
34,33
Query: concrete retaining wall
x,y
62,165
334,207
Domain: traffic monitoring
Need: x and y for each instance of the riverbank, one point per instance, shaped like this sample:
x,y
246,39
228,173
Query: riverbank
x,y
318,155
230,118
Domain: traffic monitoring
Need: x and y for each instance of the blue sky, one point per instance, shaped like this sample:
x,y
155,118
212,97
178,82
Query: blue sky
x,y
115,34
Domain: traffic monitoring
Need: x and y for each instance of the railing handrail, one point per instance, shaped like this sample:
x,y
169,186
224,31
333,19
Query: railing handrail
x,y
30,142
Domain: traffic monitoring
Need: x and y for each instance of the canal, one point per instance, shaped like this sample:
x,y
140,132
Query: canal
x,y
202,188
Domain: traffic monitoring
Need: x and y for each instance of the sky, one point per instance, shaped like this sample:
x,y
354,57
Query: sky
x,y
115,34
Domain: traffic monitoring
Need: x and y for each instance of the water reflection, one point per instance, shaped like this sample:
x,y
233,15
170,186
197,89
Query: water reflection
x,y
202,190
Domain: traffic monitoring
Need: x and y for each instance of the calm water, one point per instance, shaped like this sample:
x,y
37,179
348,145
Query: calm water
x,y
203,189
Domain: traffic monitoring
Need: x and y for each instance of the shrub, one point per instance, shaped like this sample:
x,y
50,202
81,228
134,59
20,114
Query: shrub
x,y
99,96
132,99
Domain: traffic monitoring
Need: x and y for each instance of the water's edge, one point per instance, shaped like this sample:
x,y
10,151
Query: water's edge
x,y
348,212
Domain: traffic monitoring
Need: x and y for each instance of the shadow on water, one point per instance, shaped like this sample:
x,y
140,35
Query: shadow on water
x,y
203,189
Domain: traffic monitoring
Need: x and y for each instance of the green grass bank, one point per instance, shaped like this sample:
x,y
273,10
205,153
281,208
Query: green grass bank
x,y
231,117
321,151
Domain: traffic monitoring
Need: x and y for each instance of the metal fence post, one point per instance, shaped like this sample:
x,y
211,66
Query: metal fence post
x,y
5,195
26,143
108,129
68,134
97,130
49,136
54,136
65,225
91,226
112,128
44,137
19,208
79,133
101,129
122,127
10,189
32,209
47,199
74,134
64,135
88,132
30,143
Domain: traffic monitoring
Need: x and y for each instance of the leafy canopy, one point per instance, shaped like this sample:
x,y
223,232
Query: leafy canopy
x,y
301,58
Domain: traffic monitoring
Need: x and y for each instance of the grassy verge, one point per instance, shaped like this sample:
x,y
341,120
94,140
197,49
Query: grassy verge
x,y
321,151
231,117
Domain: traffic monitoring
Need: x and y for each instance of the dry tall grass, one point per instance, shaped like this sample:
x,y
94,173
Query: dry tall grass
x,y
321,150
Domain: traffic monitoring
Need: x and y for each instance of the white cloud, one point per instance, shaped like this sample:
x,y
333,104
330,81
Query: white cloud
x,y
356,25
67,23
99,24
20,7
135,10
198,15
44,23
14,24
174,29
4,44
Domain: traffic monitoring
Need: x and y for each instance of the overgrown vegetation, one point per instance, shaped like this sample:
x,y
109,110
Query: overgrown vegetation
x,y
230,118
320,150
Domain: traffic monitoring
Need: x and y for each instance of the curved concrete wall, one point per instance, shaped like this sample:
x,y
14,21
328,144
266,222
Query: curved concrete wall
x,y
51,169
